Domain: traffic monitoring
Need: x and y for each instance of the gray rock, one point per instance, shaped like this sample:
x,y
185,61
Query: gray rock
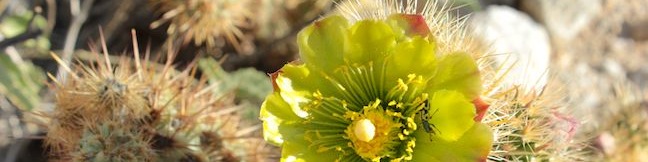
x,y
564,19
518,42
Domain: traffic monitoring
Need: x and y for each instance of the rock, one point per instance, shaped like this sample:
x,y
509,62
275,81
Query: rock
x,y
517,42
613,68
564,19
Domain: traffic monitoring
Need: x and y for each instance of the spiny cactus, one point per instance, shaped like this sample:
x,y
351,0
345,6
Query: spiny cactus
x,y
206,22
622,135
138,110
113,141
533,126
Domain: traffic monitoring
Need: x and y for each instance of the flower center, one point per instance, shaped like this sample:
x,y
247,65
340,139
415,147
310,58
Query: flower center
x,y
364,130
366,121
374,131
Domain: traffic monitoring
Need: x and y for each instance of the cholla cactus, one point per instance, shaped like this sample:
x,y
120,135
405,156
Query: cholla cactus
x,y
209,22
622,135
380,84
126,143
142,111
533,126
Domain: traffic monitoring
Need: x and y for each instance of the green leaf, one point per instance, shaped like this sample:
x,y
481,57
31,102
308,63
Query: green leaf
x,y
323,43
250,85
20,82
215,74
18,23
15,24
451,113
474,145
458,71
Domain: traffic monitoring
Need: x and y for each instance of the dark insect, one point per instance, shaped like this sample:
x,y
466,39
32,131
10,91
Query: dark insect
x,y
425,119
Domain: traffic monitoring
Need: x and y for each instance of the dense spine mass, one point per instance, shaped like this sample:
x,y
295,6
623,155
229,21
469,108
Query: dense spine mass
x,y
136,110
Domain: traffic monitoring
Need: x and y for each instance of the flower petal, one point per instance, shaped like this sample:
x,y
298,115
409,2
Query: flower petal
x,y
409,25
304,79
458,71
274,112
276,106
369,40
322,44
481,107
474,145
416,55
451,113
271,127
297,85
292,97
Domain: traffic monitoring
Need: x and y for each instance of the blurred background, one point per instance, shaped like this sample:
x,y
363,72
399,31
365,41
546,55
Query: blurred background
x,y
596,49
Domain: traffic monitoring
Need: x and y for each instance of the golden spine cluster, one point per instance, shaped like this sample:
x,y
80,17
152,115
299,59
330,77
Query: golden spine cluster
x,y
205,22
137,110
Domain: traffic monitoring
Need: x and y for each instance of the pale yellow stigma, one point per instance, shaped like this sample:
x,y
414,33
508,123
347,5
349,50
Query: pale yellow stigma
x,y
364,130
373,132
